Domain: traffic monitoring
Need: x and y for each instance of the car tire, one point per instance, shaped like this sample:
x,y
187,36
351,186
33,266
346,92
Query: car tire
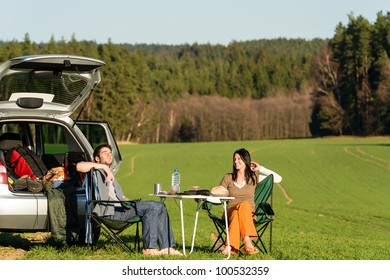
x,y
95,236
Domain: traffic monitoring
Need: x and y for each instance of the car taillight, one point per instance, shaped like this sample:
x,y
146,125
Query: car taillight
x,y
66,170
3,174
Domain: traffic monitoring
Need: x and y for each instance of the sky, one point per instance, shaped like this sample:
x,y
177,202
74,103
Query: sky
x,y
176,22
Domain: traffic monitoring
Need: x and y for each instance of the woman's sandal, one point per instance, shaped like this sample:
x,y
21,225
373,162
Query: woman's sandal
x,y
251,251
232,252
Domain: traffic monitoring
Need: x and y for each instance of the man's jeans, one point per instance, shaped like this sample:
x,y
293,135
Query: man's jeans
x,y
156,227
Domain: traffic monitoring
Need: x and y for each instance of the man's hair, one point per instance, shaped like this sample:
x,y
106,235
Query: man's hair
x,y
98,148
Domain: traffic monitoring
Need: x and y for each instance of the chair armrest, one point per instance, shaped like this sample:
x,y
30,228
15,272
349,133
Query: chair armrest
x,y
127,204
264,208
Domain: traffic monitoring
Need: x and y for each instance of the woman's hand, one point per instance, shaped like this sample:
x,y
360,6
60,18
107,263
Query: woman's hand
x,y
255,166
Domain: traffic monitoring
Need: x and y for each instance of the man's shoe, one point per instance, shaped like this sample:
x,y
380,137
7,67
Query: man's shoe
x,y
34,186
21,183
47,186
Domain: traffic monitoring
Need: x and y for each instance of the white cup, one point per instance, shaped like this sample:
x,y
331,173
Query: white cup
x,y
157,188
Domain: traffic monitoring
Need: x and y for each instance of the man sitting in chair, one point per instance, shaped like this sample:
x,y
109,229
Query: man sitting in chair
x,y
156,227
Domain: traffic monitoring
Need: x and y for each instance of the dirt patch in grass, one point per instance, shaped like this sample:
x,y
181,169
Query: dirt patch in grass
x,y
14,246
10,253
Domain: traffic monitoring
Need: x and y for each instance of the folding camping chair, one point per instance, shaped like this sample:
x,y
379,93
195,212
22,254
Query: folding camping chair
x,y
113,228
262,217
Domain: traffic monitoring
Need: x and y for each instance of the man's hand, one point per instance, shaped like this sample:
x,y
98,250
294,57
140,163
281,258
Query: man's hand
x,y
109,175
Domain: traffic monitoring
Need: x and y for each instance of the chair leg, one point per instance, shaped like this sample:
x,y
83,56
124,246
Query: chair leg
x,y
263,248
118,240
115,236
270,237
221,237
137,241
260,233
214,247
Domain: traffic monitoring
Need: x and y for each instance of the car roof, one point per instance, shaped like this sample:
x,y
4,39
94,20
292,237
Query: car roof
x,y
50,84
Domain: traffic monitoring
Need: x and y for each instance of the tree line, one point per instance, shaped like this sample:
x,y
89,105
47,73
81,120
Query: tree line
x,y
260,89
352,73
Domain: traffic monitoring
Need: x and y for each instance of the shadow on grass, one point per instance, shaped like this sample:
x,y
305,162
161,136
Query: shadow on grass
x,y
15,240
27,241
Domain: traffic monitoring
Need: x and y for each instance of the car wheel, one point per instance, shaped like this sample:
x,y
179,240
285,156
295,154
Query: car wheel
x,y
95,236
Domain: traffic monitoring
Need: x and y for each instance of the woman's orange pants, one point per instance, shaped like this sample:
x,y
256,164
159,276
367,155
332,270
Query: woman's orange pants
x,y
241,224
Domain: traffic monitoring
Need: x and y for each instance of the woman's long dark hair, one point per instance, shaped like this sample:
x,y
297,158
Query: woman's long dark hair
x,y
246,158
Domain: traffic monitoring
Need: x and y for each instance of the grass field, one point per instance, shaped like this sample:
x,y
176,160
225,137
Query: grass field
x,y
333,202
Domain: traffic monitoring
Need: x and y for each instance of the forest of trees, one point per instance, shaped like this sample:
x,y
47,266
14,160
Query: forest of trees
x,y
260,89
352,73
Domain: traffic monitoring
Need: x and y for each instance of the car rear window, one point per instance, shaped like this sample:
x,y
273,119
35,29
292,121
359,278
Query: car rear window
x,y
65,88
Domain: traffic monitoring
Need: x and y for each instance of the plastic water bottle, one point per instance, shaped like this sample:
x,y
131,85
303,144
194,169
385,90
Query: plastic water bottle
x,y
175,187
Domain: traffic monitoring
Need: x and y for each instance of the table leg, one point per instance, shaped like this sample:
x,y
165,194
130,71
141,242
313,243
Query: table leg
x,y
182,226
180,205
195,224
227,227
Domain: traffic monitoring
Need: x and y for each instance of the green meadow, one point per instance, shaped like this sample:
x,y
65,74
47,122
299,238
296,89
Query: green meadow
x,y
333,202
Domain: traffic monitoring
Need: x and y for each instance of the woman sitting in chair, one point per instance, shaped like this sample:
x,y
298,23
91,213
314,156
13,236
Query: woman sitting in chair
x,y
241,184
156,227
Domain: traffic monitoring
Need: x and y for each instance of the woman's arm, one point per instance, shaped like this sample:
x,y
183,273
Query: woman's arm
x,y
257,167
